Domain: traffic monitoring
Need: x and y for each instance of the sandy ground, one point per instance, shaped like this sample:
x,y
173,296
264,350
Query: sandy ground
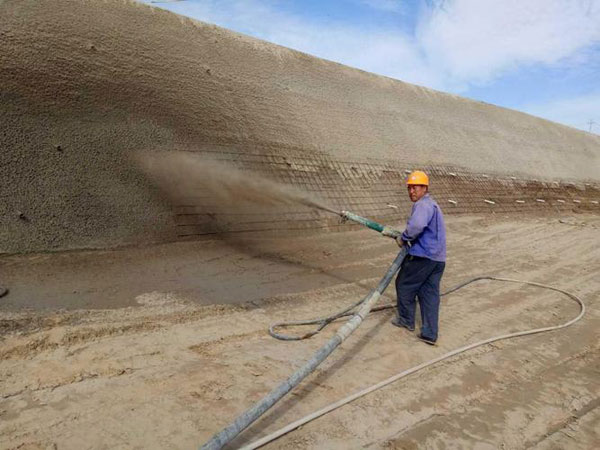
x,y
123,349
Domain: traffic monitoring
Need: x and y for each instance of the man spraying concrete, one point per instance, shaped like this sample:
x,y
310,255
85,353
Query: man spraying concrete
x,y
422,269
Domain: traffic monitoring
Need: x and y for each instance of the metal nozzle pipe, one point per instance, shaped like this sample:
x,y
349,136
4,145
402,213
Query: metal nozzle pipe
x,y
386,231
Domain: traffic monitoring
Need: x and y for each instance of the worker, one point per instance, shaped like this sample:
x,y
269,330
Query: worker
x,y
422,269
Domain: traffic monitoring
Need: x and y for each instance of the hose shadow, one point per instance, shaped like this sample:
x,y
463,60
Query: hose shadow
x,y
256,250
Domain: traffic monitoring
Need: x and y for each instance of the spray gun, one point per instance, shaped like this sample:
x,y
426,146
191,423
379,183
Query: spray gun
x,y
347,215
385,230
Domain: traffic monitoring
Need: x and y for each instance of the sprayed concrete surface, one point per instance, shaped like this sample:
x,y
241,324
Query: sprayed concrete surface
x,y
86,83
167,371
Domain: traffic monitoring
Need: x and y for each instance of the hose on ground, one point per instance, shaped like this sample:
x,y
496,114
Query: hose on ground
x,y
322,322
331,407
245,419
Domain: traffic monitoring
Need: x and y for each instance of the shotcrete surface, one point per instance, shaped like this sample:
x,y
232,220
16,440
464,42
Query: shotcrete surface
x,y
144,347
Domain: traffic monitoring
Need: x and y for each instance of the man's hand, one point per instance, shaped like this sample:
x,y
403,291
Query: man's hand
x,y
399,241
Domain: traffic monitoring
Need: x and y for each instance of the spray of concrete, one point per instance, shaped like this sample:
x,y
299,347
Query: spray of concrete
x,y
186,177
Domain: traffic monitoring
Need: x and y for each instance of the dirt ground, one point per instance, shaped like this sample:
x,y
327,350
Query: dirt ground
x,y
160,347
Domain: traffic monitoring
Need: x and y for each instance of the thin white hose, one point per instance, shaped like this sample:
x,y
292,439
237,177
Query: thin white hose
x,y
344,401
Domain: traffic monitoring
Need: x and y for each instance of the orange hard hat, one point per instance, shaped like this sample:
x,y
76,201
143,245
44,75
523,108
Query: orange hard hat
x,y
418,177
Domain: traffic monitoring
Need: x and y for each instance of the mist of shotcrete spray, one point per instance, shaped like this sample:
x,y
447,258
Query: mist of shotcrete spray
x,y
185,175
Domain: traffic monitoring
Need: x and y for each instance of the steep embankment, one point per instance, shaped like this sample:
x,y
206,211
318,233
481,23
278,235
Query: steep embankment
x,y
85,83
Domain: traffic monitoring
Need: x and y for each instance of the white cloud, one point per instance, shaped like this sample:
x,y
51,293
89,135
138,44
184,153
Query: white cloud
x,y
575,112
478,40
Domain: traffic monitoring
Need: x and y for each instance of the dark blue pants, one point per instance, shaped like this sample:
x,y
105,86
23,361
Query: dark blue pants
x,y
420,277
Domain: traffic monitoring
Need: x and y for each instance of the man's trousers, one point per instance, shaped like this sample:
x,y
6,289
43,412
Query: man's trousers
x,y
420,278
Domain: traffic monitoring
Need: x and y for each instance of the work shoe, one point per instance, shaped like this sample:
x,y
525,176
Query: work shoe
x,y
397,323
426,340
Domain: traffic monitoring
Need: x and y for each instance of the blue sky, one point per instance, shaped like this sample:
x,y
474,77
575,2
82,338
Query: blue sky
x,y
537,56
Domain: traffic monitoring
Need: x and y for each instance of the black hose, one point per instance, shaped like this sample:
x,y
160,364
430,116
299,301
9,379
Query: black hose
x,y
322,322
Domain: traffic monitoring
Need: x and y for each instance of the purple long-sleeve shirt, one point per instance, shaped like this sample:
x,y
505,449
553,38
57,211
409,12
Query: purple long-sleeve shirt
x,y
425,230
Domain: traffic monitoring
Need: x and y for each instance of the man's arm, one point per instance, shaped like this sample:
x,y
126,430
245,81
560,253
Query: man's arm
x,y
417,222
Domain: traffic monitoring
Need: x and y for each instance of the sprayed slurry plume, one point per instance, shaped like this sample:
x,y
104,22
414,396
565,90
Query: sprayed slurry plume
x,y
187,176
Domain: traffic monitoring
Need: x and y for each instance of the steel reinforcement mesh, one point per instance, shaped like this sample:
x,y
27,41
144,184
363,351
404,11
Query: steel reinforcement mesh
x,y
374,189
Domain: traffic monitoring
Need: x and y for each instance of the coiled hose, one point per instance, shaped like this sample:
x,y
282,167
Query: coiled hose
x,y
323,322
